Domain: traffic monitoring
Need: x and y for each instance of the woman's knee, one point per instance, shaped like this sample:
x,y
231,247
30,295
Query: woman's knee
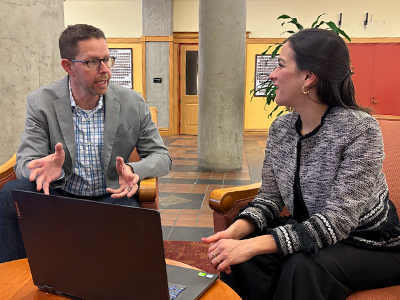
x,y
299,261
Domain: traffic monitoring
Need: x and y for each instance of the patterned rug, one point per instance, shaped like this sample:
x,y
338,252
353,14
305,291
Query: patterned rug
x,y
191,253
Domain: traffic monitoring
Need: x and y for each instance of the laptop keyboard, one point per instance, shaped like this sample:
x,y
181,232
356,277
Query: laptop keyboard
x,y
175,290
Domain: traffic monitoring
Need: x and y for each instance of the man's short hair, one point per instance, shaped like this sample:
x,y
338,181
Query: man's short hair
x,y
69,38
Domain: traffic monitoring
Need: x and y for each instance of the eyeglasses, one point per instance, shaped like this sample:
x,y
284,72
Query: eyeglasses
x,y
95,63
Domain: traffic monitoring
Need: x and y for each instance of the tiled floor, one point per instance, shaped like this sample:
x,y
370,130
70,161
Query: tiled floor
x,y
184,192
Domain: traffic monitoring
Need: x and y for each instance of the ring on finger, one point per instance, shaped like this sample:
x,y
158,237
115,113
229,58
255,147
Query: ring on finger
x,y
216,259
129,189
213,254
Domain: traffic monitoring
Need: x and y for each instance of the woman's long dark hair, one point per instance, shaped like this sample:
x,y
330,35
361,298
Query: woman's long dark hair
x,y
325,54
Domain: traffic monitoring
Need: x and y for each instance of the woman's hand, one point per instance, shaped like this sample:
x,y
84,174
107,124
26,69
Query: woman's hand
x,y
238,230
227,252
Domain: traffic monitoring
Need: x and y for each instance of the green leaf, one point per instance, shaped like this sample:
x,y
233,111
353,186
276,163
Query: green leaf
x,y
288,31
316,21
321,23
284,17
271,113
344,34
273,54
337,30
270,48
298,25
333,27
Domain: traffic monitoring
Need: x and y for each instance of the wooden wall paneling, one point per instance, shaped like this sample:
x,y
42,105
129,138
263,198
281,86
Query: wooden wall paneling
x,y
171,85
245,91
387,117
381,40
175,107
143,41
124,40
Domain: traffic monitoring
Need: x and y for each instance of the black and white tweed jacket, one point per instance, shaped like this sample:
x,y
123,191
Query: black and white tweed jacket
x,y
341,184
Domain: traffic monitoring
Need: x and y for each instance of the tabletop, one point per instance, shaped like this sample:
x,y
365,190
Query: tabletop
x,y
16,283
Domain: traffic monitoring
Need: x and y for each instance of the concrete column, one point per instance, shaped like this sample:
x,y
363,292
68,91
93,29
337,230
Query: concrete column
x,y
222,47
29,58
157,20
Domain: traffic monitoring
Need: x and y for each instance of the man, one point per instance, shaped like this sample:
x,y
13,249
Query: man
x,y
79,132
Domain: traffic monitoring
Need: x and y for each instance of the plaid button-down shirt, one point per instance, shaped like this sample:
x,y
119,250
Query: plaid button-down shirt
x,y
88,178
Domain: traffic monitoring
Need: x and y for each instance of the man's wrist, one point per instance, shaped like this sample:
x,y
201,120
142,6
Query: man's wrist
x,y
131,168
61,176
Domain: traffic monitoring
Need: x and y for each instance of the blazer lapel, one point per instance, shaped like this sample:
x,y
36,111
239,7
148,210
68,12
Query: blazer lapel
x,y
112,108
64,115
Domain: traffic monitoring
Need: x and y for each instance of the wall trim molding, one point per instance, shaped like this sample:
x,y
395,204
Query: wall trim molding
x,y
379,40
387,117
193,38
255,132
265,40
124,40
164,131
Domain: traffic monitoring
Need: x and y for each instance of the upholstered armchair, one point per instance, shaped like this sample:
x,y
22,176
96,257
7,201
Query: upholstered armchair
x,y
148,189
227,202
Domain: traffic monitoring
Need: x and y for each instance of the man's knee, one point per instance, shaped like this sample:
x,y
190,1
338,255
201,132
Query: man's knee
x,y
19,184
6,200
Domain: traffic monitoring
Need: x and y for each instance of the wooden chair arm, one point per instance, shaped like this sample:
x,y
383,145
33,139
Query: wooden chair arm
x,y
148,190
8,167
223,200
7,171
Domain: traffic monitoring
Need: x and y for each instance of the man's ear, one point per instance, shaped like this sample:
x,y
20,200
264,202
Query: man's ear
x,y
67,65
311,79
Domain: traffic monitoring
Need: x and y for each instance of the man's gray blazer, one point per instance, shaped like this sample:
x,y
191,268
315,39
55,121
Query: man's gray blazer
x,y
127,125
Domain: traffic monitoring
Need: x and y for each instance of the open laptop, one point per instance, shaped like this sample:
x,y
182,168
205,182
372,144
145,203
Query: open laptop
x,y
89,250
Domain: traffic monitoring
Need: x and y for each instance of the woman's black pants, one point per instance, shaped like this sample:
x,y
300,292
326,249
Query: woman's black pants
x,y
333,274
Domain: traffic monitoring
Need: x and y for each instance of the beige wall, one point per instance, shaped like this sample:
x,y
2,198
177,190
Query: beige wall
x,y
262,14
186,15
124,18
118,19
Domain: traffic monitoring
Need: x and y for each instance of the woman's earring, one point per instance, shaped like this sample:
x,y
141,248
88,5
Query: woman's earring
x,y
302,89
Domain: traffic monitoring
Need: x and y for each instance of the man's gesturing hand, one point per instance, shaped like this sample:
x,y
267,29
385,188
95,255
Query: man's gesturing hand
x,y
47,169
127,180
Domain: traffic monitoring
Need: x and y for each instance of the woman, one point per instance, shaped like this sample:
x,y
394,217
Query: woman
x,y
324,163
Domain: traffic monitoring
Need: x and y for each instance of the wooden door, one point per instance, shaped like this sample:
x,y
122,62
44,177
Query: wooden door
x,y
362,60
189,89
385,93
375,78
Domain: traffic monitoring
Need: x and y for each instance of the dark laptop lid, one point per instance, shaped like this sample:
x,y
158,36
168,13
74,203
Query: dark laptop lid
x,y
90,250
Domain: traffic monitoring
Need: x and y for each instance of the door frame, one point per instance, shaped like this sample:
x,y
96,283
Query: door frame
x,y
183,48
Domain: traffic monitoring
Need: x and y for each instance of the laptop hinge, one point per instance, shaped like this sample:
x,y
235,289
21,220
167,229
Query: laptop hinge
x,y
46,288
